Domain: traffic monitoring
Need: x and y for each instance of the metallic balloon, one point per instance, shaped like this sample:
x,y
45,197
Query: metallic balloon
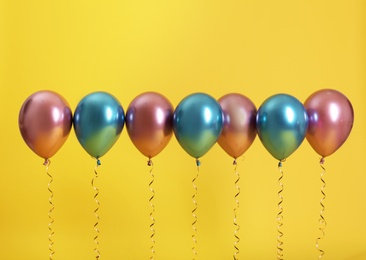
x,y
197,123
282,123
149,122
98,122
45,121
239,130
330,120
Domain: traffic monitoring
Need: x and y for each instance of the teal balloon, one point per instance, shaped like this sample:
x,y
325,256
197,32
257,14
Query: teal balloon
x,y
282,123
197,123
98,122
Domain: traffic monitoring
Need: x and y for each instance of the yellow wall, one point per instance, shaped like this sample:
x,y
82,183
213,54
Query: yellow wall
x,y
257,48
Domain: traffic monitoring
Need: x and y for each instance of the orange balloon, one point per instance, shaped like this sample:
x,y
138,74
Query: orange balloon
x,y
239,129
45,121
149,123
330,120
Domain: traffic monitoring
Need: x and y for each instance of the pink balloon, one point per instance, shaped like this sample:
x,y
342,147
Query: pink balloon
x,y
45,121
149,122
330,120
239,130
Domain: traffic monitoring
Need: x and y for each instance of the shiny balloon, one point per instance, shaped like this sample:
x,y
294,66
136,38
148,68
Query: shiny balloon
x,y
149,122
330,120
239,129
98,122
282,123
197,123
45,121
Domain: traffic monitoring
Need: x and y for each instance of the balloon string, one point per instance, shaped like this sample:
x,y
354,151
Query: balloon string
x,y
198,163
279,215
150,163
47,163
96,249
237,239
322,221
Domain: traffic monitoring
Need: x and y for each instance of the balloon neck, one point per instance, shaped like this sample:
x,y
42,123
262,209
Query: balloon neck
x,y
198,162
234,162
46,162
322,160
280,162
149,162
98,162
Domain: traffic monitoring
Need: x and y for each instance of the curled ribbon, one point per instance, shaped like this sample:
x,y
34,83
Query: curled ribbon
x,y
237,239
150,163
198,163
47,163
96,249
322,221
279,215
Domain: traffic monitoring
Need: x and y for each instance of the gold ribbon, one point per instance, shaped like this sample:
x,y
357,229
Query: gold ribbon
x,y
198,163
237,239
96,249
279,215
322,221
47,163
150,163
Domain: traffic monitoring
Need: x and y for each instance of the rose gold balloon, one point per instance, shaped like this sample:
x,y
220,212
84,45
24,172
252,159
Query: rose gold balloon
x,y
149,122
239,129
330,120
45,121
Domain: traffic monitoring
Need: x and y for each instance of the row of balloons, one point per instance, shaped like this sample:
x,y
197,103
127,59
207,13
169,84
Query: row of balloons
x,y
199,121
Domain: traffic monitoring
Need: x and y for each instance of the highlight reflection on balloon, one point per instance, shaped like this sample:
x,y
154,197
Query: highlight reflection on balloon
x,y
149,122
45,121
330,120
197,123
282,123
239,129
98,122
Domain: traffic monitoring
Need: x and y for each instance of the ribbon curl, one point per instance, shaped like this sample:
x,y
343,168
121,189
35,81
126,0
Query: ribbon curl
x,y
198,163
96,249
237,239
47,163
150,163
279,215
322,221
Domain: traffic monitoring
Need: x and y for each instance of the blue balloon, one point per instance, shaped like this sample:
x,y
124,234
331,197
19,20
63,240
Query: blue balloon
x,y
98,122
282,123
197,123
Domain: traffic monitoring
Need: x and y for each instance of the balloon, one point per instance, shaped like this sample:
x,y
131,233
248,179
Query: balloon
x,y
98,122
149,122
239,129
330,120
197,123
282,123
45,121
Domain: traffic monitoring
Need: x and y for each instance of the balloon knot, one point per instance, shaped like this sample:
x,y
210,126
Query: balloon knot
x,y
98,162
280,162
198,162
46,162
322,160
234,162
149,162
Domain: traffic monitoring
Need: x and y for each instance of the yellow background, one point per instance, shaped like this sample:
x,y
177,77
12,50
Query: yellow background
x,y
257,48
